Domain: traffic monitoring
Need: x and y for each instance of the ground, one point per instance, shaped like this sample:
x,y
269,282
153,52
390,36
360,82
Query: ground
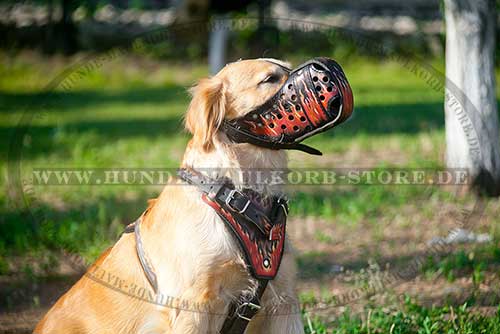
x,y
128,113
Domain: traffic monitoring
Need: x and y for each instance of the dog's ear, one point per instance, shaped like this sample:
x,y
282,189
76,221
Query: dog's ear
x,y
206,111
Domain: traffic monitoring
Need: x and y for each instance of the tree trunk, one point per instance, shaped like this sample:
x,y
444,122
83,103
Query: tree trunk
x,y
218,44
66,28
472,135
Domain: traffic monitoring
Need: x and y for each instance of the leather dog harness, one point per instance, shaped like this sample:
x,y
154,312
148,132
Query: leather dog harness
x,y
259,232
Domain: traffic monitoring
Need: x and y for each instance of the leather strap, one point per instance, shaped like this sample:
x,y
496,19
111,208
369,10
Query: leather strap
x,y
143,258
146,265
242,311
240,136
222,191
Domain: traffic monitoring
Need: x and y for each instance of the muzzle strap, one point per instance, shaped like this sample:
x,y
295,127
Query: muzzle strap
x,y
240,136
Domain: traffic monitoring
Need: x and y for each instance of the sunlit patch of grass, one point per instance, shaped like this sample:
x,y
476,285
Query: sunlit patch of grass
x,y
464,262
410,318
352,204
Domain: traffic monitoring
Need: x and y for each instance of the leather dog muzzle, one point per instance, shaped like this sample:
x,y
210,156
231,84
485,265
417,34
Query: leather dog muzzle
x,y
315,98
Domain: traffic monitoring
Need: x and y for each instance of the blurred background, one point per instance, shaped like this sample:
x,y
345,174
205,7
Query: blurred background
x,y
103,84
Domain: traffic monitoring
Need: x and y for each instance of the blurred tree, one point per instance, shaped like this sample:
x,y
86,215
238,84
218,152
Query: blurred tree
x,y
218,10
66,29
472,134
63,34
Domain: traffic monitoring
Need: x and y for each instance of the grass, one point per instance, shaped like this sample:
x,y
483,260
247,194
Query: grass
x,y
129,114
411,318
473,262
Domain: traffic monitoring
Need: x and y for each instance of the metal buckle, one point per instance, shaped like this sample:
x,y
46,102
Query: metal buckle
x,y
230,197
271,233
249,304
283,202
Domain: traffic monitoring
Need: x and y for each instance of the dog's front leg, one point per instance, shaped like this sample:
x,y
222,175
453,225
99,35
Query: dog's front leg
x,y
280,313
198,311
278,316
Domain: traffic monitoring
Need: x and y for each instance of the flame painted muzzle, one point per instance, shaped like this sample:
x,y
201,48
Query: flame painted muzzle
x,y
315,98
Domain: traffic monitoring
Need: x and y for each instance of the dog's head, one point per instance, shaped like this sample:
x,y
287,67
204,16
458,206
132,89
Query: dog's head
x,y
236,90
265,103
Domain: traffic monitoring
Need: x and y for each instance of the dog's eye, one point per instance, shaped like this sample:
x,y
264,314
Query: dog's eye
x,y
273,78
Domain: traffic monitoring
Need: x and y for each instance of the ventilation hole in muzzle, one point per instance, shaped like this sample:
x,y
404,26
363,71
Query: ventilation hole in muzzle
x,y
302,118
329,88
271,125
294,97
280,116
297,107
325,79
295,128
318,88
283,126
334,106
290,86
308,128
290,117
317,67
322,97
315,79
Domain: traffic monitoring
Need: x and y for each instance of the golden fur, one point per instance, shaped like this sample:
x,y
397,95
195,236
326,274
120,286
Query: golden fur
x,y
196,259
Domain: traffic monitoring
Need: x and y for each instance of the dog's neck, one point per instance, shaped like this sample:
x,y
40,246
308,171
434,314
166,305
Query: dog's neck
x,y
248,166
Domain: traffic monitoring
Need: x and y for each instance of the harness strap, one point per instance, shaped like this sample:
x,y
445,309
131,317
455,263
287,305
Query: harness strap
x,y
241,312
143,258
223,192
146,265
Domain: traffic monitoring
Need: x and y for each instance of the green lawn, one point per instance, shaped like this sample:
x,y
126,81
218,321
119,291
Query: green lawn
x,y
129,114
412,318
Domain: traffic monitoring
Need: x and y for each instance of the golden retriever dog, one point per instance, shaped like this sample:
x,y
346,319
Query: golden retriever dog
x,y
197,261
